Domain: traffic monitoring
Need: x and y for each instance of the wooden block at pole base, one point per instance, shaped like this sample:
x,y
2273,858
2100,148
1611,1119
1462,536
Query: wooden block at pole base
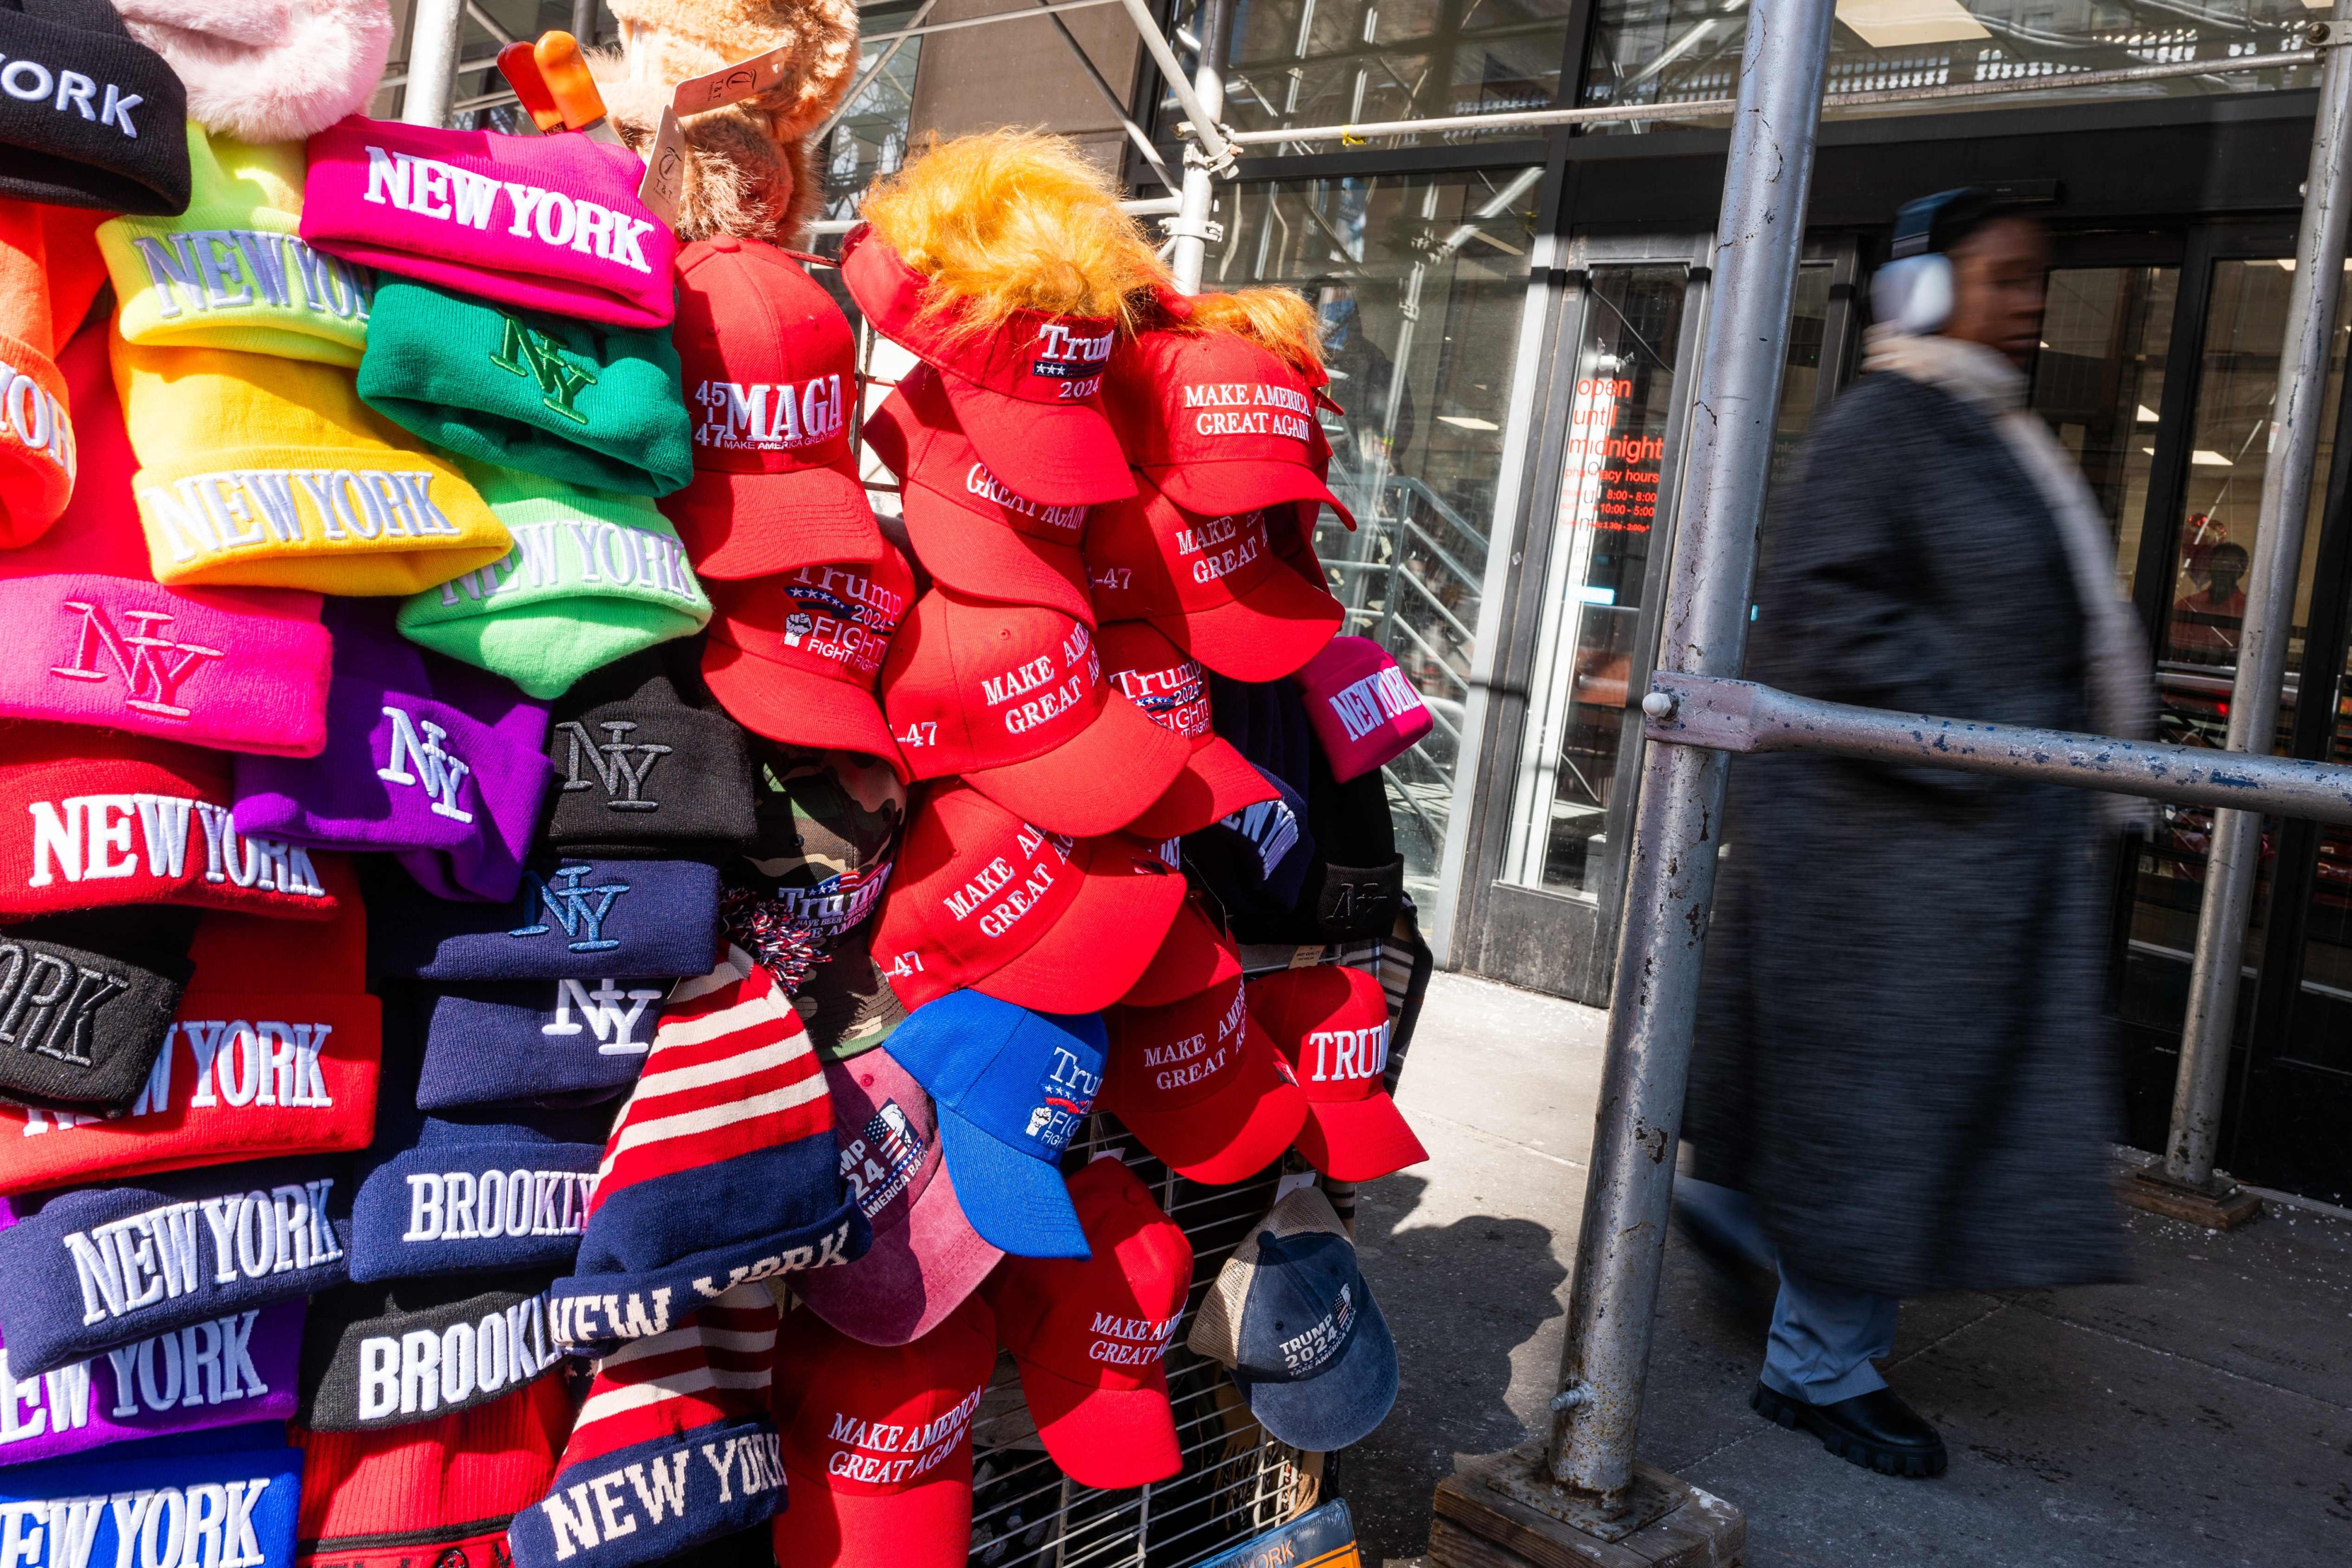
x,y
2220,1205
1502,1511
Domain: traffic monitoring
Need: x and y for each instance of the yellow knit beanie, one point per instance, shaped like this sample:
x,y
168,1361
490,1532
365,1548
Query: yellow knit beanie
x,y
231,272
257,472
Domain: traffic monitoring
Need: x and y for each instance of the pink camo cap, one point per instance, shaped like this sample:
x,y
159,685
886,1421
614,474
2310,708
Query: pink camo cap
x,y
926,1257
92,639
538,223
1363,709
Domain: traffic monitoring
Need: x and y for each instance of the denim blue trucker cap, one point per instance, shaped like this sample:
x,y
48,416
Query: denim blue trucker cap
x,y
1290,1314
1011,1087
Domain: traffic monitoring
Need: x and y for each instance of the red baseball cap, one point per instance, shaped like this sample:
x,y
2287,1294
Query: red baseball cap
x,y
1173,689
1212,584
1090,1333
982,899
794,656
1193,956
1221,423
877,1442
1012,698
1332,1023
969,528
769,368
1026,392
1202,1085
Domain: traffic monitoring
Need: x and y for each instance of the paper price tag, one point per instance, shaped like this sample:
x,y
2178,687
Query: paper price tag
x,y
1306,956
732,84
664,181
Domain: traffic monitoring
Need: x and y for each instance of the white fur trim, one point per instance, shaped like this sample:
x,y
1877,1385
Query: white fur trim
x,y
313,61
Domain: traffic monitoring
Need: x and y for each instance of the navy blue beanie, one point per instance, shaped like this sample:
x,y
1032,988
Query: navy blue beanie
x,y
94,1269
228,1498
1255,861
574,920
475,1196
544,1041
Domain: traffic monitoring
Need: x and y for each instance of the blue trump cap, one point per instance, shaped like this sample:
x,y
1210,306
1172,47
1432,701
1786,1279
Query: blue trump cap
x,y
1011,1087
1291,1313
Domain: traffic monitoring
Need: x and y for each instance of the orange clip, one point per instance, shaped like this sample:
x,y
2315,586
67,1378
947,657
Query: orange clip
x,y
519,65
569,84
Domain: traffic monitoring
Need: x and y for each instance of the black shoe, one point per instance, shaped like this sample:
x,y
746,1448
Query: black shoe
x,y
1875,1430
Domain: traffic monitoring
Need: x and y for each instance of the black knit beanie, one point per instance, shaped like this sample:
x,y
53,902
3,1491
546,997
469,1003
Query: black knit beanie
x,y
389,1355
102,117
648,764
87,1002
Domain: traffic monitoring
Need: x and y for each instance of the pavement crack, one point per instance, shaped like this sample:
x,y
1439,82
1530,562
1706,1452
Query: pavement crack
x,y
1423,1114
2217,1370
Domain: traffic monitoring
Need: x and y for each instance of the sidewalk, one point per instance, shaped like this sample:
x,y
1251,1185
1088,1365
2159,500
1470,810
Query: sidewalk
x,y
2197,1419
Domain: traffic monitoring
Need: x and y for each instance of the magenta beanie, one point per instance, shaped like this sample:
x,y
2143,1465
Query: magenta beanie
x,y
92,639
540,223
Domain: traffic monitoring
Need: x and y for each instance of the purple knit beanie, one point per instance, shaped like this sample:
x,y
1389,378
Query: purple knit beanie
x,y
436,760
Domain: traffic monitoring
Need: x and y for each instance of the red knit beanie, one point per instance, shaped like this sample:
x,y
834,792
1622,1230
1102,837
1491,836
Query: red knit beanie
x,y
90,818
407,1495
250,1069
36,445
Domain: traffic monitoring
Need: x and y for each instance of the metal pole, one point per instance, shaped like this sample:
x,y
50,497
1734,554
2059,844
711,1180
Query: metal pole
x,y
431,75
867,78
1118,101
1197,198
584,21
2230,868
1670,882
1202,111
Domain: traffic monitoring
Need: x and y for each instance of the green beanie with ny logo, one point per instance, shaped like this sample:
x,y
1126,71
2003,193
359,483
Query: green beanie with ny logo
x,y
576,401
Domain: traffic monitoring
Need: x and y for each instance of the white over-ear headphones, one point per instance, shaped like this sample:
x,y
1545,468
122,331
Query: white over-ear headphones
x,y
1913,292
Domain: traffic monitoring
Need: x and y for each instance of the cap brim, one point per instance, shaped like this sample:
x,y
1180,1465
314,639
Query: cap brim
x,y
1344,1403
925,1526
1359,1139
1266,633
1191,957
1215,782
1017,1204
913,1276
736,526
794,705
982,557
1100,948
1235,1133
1108,1437
1243,484
1063,454
1097,780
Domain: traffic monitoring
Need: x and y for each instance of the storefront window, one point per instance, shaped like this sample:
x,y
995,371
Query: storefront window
x,y
1678,51
2099,381
1321,62
869,139
1421,282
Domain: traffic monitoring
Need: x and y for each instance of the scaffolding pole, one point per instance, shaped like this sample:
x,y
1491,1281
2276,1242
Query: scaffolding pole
x,y
1670,882
430,79
1190,229
2210,1027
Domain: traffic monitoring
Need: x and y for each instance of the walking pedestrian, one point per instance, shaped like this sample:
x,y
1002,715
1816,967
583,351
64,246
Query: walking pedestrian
x,y
1901,1083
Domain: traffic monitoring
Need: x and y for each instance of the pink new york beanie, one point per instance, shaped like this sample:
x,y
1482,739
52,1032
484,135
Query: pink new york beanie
x,y
544,223
94,640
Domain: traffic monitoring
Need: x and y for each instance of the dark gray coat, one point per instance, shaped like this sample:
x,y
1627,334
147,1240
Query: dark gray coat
x,y
1900,1052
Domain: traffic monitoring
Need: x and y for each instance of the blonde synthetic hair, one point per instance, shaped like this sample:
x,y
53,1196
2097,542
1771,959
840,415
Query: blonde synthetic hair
x,y
1015,220
1276,319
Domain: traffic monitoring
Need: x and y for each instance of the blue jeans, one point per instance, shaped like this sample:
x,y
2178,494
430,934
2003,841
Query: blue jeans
x,y
1824,1336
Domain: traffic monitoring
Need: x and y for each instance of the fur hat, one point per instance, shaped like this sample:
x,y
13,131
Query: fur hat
x,y
267,70
752,172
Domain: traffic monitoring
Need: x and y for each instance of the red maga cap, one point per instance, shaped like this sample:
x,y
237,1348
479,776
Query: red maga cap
x,y
1193,956
1201,1085
1173,689
1332,1023
1090,1333
982,899
1212,584
1219,423
1013,698
970,528
877,1442
795,655
1024,391
767,366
